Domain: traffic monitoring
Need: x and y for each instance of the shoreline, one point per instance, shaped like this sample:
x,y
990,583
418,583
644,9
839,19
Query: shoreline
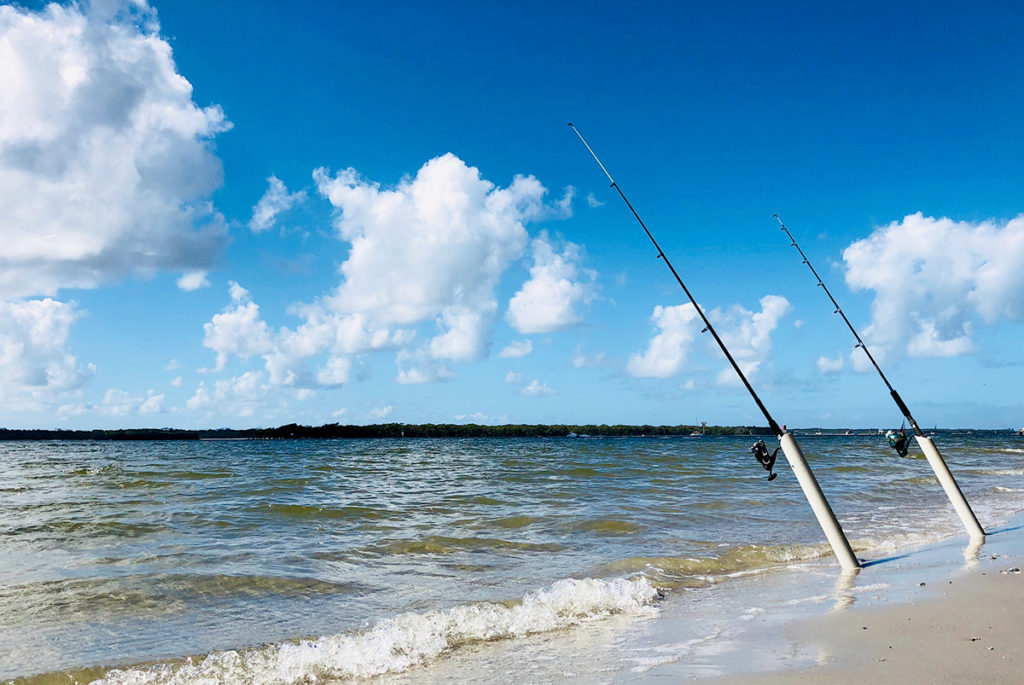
x,y
948,612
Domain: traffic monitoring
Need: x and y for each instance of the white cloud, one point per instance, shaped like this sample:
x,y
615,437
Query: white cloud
x,y
548,301
935,280
193,280
537,389
826,365
426,253
36,365
120,403
338,413
517,348
381,412
105,162
176,381
431,248
747,334
237,330
276,200
593,201
513,378
240,396
423,370
667,351
335,372
477,417
172,365
564,205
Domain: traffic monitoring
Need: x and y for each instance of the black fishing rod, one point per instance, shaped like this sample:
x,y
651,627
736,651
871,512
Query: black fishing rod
x,y
707,324
808,483
931,453
860,343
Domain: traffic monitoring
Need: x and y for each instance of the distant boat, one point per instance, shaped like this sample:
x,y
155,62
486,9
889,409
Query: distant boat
x,y
848,433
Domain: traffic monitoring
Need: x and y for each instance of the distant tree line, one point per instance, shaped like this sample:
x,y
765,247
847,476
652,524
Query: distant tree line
x,y
382,430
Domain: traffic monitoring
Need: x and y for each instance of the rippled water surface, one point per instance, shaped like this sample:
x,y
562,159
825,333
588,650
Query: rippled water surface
x,y
122,554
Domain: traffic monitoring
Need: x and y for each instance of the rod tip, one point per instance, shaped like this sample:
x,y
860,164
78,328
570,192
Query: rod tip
x,y
570,123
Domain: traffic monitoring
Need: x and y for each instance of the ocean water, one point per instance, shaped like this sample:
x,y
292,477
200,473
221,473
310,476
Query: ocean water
x,y
328,561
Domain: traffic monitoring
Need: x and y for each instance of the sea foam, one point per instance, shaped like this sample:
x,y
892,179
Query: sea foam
x,y
409,639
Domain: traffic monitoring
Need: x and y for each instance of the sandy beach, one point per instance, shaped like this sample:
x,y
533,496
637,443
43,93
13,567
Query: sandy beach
x,y
961,625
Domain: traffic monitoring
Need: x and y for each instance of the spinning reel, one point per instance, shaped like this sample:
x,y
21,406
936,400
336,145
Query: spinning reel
x,y
766,460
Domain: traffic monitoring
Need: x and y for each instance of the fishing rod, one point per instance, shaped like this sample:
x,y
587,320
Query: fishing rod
x,y
860,343
822,511
942,472
707,324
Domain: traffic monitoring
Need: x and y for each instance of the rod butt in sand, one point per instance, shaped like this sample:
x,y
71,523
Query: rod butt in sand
x,y
956,496
822,510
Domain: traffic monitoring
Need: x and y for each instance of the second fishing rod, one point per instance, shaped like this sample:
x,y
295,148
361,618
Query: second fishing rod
x,y
931,453
808,483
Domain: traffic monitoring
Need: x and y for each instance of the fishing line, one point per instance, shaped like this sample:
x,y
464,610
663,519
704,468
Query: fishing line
x,y
899,441
707,324
860,343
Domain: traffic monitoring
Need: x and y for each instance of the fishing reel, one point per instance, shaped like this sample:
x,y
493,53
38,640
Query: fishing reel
x,y
766,460
899,441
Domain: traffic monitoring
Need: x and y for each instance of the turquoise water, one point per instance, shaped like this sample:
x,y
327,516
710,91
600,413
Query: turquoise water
x,y
293,559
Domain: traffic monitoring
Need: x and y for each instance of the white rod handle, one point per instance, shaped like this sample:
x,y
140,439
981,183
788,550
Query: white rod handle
x,y
822,510
953,492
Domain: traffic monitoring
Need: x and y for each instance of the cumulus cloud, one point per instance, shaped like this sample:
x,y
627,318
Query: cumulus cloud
x,y
667,351
420,276
238,330
105,160
548,301
536,389
120,403
381,412
431,248
747,334
193,280
517,348
335,372
276,200
36,365
513,378
240,395
417,367
826,365
935,280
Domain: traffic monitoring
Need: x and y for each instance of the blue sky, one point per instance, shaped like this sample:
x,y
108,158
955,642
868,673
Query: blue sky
x,y
247,215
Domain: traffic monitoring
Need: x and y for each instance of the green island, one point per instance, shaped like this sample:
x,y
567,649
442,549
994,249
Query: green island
x,y
381,430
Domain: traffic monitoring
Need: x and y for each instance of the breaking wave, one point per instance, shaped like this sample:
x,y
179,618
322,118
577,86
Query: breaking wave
x,y
399,643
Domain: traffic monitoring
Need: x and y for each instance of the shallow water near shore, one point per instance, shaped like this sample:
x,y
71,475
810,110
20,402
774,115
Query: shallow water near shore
x,y
597,559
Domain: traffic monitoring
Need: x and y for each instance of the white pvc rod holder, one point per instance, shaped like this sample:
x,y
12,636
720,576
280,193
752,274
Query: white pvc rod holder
x,y
953,492
822,510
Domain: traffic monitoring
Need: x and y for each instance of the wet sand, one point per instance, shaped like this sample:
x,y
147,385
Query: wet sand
x,y
963,624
